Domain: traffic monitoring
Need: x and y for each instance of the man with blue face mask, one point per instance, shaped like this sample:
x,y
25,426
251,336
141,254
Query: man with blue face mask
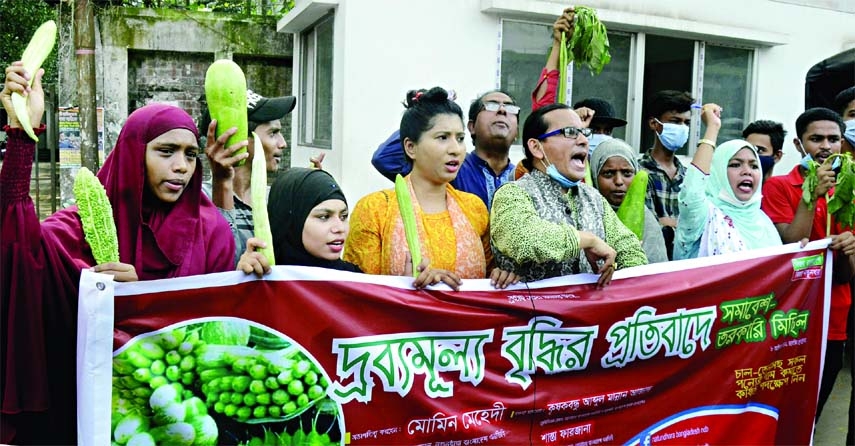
x,y
768,137
669,117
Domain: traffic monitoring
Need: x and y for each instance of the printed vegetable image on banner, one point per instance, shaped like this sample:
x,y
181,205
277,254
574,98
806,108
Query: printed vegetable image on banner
x,y
689,352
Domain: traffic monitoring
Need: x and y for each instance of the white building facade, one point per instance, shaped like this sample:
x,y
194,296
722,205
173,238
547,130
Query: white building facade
x,y
354,60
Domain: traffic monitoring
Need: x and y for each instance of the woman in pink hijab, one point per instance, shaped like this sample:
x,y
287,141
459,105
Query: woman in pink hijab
x,y
166,228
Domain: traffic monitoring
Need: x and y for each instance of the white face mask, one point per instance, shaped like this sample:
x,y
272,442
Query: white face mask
x,y
595,140
849,134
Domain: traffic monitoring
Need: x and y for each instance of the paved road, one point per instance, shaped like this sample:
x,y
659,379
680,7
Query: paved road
x,y
831,429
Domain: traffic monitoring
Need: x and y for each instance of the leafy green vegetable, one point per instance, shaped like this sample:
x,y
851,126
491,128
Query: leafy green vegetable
x,y
96,217
840,204
589,45
810,184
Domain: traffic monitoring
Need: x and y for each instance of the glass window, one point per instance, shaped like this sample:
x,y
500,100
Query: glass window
x,y
525,48
611,84
727,82
316,84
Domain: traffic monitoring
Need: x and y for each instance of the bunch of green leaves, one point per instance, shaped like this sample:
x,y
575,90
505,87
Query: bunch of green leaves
x,y
840,204
589,45
810,183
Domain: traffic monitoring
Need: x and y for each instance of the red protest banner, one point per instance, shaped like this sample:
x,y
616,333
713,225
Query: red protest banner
x,y
674,353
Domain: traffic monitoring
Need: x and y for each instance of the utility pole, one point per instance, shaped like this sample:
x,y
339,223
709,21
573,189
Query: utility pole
x,y
84,50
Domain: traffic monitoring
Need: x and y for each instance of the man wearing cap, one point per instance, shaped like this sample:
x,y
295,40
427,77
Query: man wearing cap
x,y
603,122
230,189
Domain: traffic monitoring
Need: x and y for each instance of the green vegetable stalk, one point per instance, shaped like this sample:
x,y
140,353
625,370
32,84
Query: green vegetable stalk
x,y
96,217
37,51
258,190
631,210
408,216
562,70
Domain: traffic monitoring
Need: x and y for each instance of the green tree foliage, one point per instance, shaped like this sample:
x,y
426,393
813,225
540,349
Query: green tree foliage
x,y
240,7
19,19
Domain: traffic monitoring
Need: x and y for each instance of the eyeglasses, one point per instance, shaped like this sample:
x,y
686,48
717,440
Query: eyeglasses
x,y
569,132
494,107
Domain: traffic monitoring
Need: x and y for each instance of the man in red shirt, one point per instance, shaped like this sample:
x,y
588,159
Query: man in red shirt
x,y
818,135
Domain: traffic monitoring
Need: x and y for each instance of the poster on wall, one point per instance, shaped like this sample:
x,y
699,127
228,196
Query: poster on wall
x,y
69,136
677,353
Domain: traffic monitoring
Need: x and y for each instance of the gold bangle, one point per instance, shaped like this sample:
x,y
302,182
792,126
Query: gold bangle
x,y
707,142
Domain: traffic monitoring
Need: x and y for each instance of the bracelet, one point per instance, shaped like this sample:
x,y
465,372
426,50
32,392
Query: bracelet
x,y
707,142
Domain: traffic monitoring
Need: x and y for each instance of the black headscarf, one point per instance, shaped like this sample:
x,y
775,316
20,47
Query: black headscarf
x,y
293,195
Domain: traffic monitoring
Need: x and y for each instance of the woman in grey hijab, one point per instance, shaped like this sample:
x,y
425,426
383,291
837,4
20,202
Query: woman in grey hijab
x,y
613,165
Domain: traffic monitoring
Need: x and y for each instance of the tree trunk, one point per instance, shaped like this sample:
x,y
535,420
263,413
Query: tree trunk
x,y
84,45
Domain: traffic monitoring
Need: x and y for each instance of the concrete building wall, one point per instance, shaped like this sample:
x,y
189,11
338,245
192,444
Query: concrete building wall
x,y
145,55
385,47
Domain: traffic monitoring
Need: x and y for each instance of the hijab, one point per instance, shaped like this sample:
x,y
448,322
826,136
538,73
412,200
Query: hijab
x,y
176,229
606,150
292,197
754,226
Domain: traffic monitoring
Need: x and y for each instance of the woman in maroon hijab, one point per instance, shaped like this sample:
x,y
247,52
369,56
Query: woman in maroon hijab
x,y
166,228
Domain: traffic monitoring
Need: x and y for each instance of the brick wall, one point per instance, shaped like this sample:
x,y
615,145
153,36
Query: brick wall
x,y
165,76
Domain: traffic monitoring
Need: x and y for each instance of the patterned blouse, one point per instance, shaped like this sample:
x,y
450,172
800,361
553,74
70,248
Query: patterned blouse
x,y
372,227
534,228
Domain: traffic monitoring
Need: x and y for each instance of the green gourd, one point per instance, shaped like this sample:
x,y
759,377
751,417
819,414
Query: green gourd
x,y
258,190
96,217
408,216
225,92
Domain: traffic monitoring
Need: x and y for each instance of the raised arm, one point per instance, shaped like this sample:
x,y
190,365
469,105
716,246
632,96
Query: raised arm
x,y
545,91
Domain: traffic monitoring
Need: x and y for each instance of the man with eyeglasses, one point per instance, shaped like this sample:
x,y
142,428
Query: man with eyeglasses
x,y
493,125
549,223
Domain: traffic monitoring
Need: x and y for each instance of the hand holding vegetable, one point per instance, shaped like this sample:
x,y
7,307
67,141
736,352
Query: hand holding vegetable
x,y
253,261
825,177
221,158
16,82
564,24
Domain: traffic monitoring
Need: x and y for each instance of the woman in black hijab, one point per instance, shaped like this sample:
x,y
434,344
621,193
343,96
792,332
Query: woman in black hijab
x,y
308,220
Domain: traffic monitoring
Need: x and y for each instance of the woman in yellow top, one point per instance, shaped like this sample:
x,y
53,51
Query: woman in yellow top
x,y
452,225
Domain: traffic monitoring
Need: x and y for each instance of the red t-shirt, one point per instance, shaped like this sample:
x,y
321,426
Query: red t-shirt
x,y
781,195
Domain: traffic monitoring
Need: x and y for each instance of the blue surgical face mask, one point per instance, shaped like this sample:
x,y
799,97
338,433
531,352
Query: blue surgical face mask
x,y
767,163
553,173
805,162
595,140
673,136
849,134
